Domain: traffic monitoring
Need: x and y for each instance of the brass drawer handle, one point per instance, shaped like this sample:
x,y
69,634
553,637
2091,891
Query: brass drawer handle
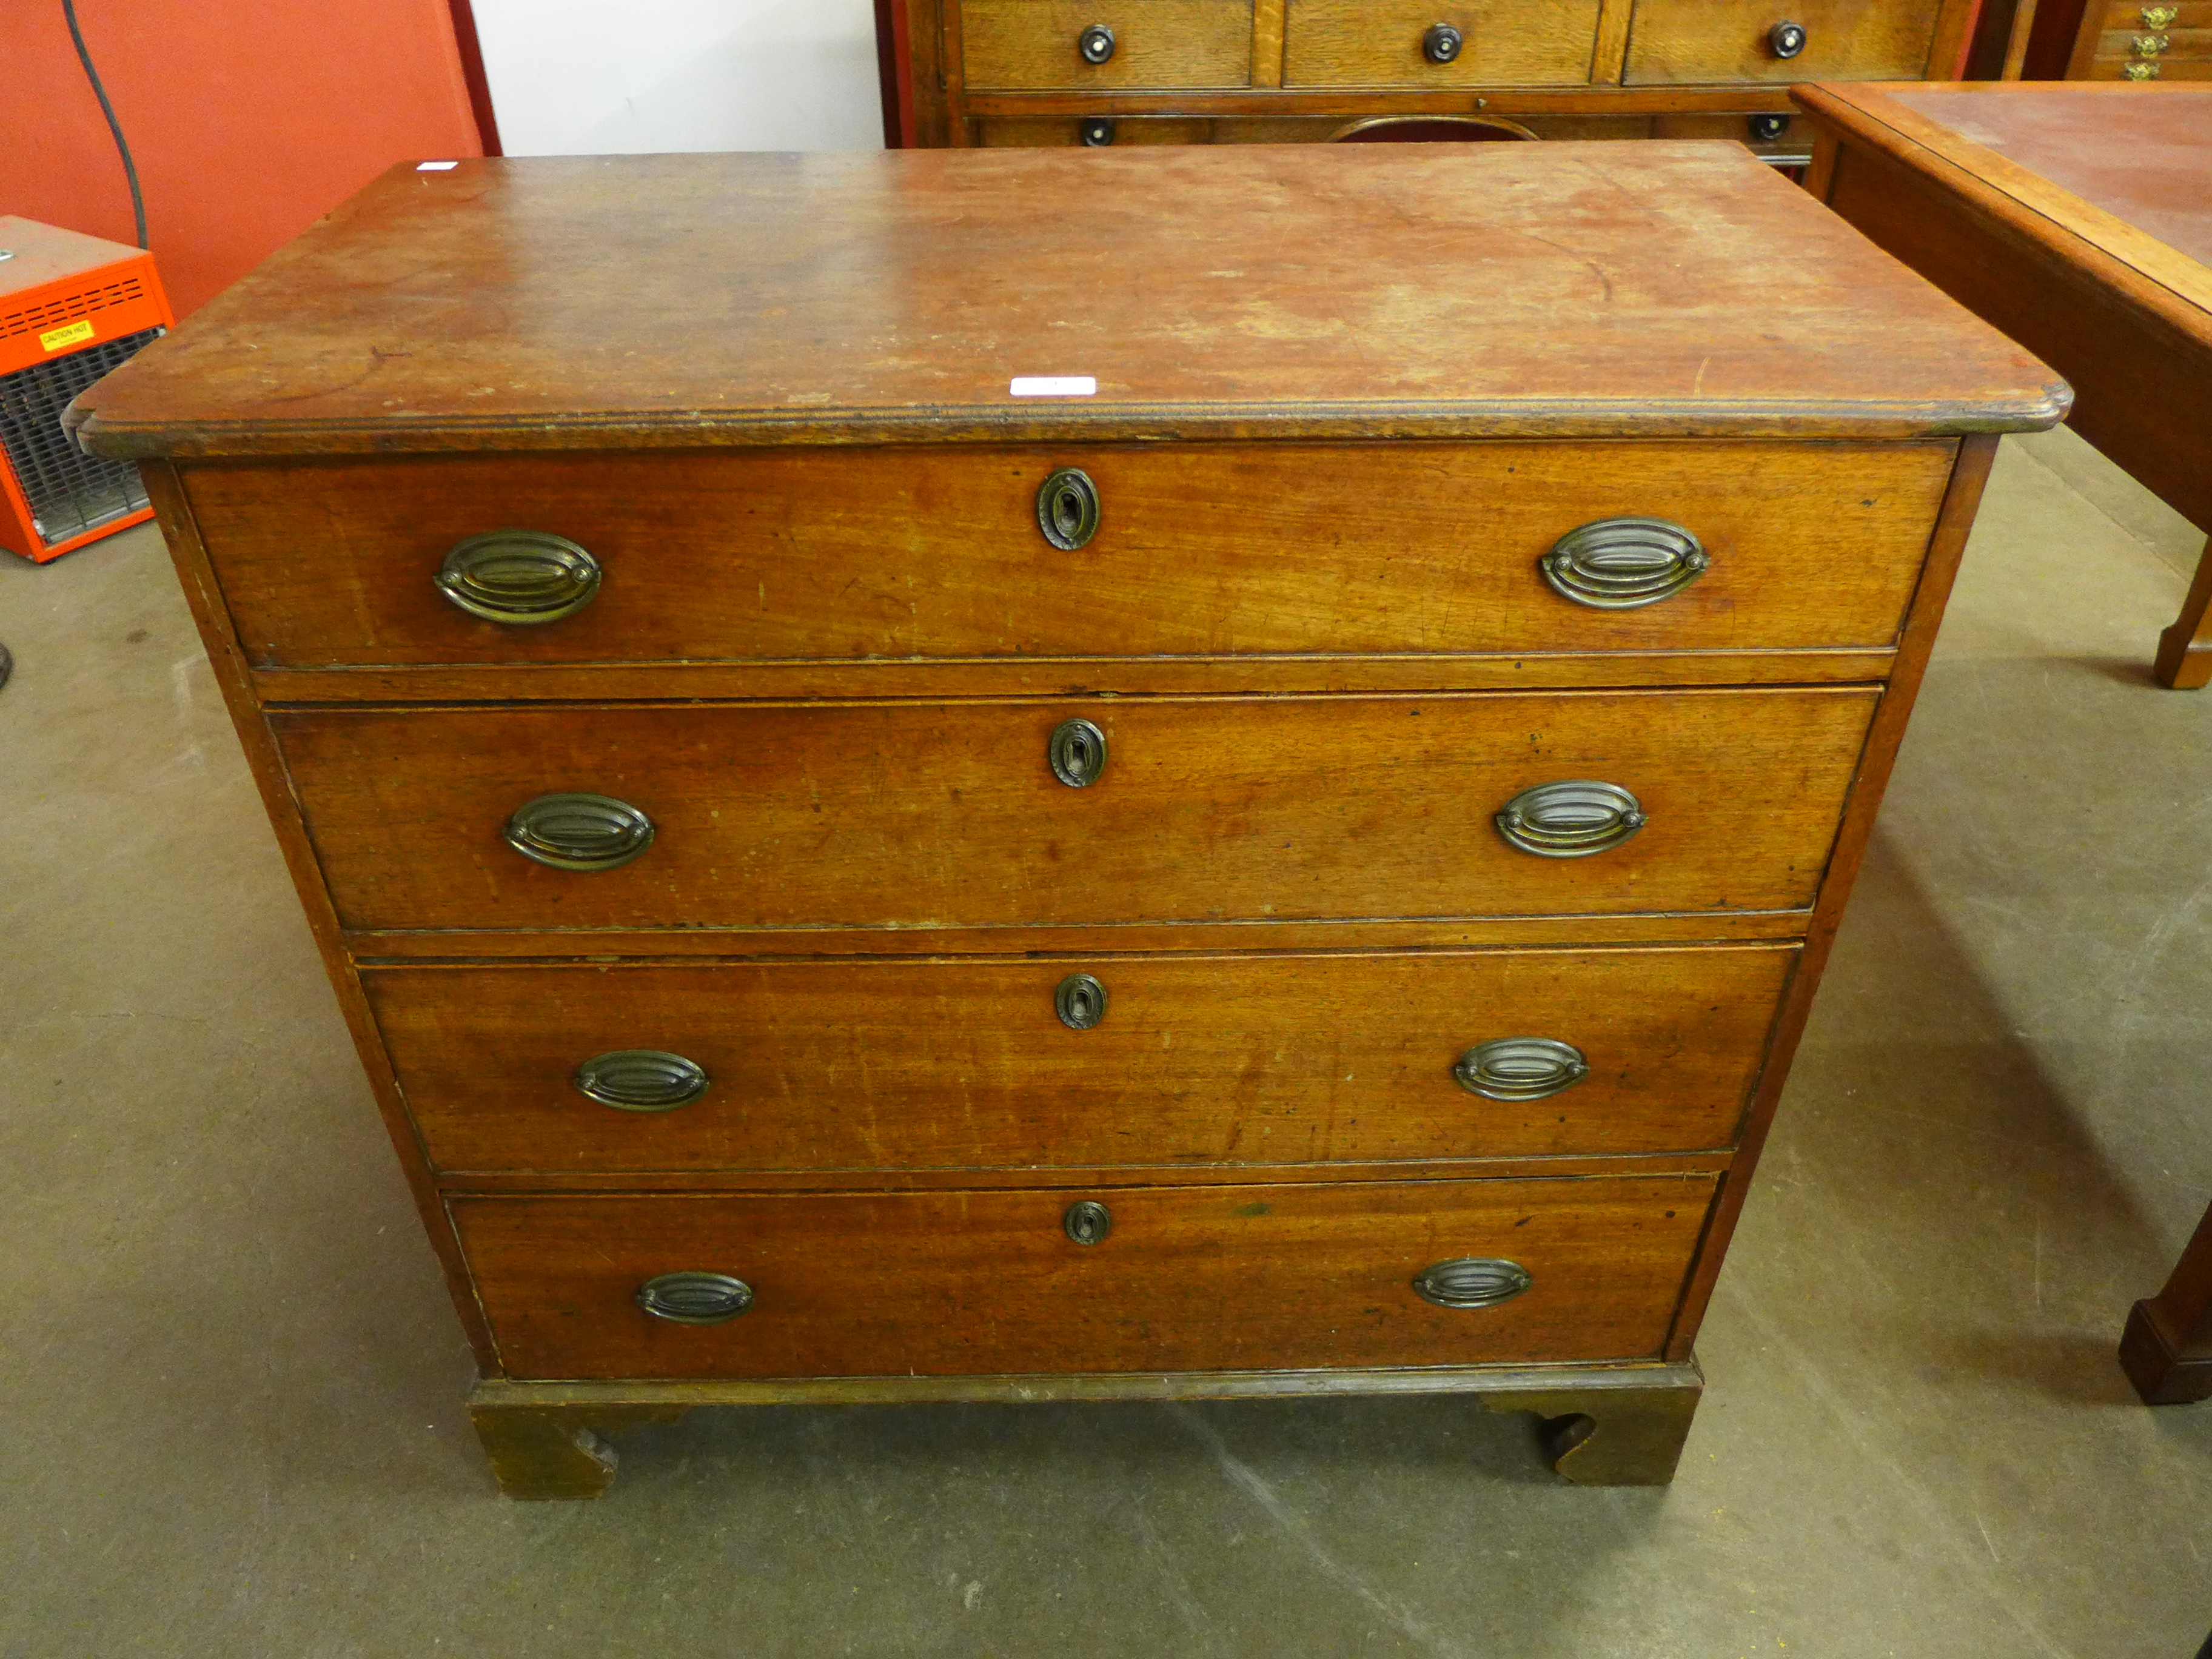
x,y
1096,44
1570,820
2157,17
1521,1068
1441,43
2149,45
694,1298
2139,71
640,1080
519,577
1786,40
1618,564
579,832
1067,509
1078,753
1080,1001
1471,1281
1087,1221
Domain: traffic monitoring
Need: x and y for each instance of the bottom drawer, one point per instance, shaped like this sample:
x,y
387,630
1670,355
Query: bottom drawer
x,y
1280,1277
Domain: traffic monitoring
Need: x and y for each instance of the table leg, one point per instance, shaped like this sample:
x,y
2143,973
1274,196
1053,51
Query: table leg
x,y
2185,650
1612,1436
555,1451
2167,1349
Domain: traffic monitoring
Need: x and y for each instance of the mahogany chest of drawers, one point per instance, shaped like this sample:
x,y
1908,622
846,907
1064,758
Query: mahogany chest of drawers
x,y
1292,862
1096,72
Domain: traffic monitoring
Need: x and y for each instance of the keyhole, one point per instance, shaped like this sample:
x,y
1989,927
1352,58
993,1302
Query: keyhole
x,y
1080,1001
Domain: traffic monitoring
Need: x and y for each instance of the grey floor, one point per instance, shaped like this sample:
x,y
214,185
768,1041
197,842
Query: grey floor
x,y
231,1379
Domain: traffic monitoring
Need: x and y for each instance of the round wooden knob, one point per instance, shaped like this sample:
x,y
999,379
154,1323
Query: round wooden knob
x,y
1786,40
1441,43
1095,44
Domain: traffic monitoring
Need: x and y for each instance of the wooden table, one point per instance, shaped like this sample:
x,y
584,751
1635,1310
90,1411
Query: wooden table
x,y
2078,219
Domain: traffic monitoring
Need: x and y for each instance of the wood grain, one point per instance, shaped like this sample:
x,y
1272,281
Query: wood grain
x,y
1377,43
1379,290
906,1064
1195,1278
910,555
894,816
1688,41
1032,44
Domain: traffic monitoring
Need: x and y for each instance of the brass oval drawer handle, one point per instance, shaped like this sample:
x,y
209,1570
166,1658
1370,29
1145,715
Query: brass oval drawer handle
x,y
1067,507
1471,1281
1080,1001
1786,40
2139,71
1096,44
1087,1221
1521,1068
519,577
1078,753
694,1298
1441,43
579,832
1618,564
1571,819
640,1080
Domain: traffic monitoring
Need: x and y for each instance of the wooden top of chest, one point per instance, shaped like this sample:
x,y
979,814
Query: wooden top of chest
x,y
1446,290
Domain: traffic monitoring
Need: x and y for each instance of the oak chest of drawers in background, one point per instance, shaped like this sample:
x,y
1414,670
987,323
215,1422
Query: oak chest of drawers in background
x,y
1045,72
1295,868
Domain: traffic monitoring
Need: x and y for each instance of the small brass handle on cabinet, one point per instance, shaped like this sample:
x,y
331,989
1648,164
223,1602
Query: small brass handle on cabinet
x,y
1441,43
1618,564
1471,1281
1096,132
2157,17
2149,45
519,577
1080,1001
1786,40
1571,819
2139,71
579,832
694,1298
1067,509
1521,1068
1087,1221
1096,44
1078,753
640,1080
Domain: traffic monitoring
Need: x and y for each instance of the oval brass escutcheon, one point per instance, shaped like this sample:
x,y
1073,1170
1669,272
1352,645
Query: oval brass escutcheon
x,y
1786,40
1521,1068
1080,1001
640,1080
1571,819
694,1298
1078,753
1087,1221
1471,1281
1096,44
1441,43
579,832
1067,509
519,577
1618,564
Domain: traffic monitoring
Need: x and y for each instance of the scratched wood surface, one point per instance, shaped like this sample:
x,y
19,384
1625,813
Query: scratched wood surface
x,y
1445,290
895,1064
1189,1278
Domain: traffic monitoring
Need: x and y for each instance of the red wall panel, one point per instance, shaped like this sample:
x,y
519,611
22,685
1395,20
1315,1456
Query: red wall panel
x,y
249,119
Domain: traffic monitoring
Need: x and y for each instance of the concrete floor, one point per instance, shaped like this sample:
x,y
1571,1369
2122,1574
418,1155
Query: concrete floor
x,y
233,1379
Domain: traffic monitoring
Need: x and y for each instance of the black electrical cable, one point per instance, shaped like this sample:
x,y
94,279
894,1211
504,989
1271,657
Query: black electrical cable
x,y
129,171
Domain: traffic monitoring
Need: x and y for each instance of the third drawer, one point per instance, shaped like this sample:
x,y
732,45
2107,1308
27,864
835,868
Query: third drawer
x,y
905,1064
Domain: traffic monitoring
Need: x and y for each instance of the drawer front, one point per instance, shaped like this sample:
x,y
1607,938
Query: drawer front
x,y
1207,809
2186,55
1186,1279
929,553
1676,42
1219,1060
1040,45
2155,17
1390,43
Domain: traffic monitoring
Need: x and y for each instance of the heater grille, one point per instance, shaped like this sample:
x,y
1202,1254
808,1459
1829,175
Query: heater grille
x,y
70,492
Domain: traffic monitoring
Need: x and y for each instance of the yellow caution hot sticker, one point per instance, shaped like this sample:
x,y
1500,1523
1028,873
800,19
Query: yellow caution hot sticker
x,y
55,338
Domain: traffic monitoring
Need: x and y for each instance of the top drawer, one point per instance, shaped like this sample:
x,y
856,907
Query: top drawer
x,y
933,553
1052,46
1426,44
1678,42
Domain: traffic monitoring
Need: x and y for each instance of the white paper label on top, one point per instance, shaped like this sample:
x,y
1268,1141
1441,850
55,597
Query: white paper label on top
x,y
1053,385
435,167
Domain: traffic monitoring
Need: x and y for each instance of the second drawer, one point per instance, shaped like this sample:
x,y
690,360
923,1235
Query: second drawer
x,y
903,1064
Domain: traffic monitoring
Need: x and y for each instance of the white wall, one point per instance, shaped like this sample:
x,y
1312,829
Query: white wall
x,y
596,77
